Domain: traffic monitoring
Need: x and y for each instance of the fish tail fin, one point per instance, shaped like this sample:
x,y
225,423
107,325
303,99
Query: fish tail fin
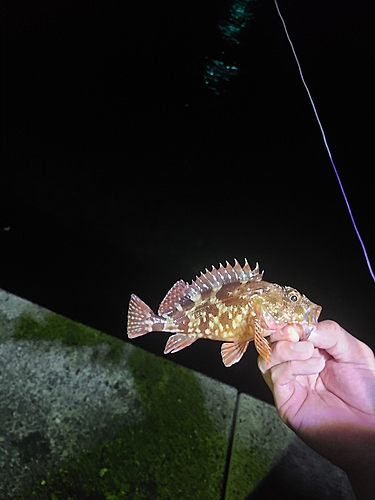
x,y
141,318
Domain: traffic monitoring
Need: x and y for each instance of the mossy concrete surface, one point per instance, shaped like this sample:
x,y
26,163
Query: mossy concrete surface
x,y
268,461
85,416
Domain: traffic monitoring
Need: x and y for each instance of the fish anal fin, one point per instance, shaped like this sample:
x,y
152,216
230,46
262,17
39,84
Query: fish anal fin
x,y
177,342
261,343
232,352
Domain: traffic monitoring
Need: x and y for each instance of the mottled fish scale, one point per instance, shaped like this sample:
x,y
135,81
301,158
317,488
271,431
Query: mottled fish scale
x,y
231,304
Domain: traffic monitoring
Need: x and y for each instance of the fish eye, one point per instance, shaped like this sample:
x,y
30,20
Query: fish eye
x,y
294,297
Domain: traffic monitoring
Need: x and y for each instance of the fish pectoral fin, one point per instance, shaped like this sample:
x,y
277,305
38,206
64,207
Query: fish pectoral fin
x,y
177,342
232,352
261,343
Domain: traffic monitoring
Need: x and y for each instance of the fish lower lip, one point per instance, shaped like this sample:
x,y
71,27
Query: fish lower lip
x,y
311,321
312,318
307,330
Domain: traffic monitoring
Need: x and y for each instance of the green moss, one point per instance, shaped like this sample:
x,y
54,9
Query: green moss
x,y
56,327
248,468
174,453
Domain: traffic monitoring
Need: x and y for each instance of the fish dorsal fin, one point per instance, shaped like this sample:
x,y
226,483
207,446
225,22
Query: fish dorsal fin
x,y
183,296
216,278
173,297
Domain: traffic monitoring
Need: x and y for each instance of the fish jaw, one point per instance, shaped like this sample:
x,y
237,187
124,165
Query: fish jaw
x,y
304,325
313,314
311,320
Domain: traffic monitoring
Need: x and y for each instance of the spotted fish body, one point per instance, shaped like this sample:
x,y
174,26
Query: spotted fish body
x,y
231,304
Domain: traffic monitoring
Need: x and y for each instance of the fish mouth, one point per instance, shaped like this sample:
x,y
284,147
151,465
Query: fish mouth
x,y
311,320
304,326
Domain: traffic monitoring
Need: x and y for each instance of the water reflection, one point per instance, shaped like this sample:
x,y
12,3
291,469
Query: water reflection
x,y
217,71
240,13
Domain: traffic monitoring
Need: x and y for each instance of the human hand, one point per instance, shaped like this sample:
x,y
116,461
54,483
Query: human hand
x,y
324,389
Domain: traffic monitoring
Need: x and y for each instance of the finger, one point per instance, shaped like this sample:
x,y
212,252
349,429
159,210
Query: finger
x,y
342,346
283,351
287,372
287,333
267,377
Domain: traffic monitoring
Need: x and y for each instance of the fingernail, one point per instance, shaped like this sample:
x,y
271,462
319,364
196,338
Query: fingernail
x,y
291,333
301,346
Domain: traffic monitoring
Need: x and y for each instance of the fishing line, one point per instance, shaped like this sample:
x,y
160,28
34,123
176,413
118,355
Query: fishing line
x,y
326,143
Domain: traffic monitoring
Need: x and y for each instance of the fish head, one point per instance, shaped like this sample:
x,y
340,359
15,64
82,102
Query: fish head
x,y
283,305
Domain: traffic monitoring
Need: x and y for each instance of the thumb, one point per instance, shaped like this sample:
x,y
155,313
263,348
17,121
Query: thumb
x,y
342,346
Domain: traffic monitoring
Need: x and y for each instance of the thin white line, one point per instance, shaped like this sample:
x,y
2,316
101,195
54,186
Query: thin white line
x,y
326,143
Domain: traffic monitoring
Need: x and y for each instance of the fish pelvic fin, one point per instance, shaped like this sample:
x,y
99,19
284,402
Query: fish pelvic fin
x,y
232,352
177,342
141,318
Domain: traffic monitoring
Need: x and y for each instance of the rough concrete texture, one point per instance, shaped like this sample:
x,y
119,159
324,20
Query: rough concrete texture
x,y
11,308
57,401
269,461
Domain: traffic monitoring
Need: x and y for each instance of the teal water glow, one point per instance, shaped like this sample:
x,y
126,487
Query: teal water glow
x,y
239,16
219,70
216,72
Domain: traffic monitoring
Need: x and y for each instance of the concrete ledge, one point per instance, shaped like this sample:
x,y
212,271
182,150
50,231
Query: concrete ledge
x,y
269,461
84,415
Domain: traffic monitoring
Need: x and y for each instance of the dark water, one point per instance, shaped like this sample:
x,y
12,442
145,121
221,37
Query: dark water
x,y
145,142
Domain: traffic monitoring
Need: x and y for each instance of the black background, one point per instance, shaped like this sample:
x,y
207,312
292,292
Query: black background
x,y
123,171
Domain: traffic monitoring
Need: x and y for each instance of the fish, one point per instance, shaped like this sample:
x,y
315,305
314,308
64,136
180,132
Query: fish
x,y
232,304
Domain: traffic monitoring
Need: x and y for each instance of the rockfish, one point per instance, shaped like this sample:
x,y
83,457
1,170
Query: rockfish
x,y
231,304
